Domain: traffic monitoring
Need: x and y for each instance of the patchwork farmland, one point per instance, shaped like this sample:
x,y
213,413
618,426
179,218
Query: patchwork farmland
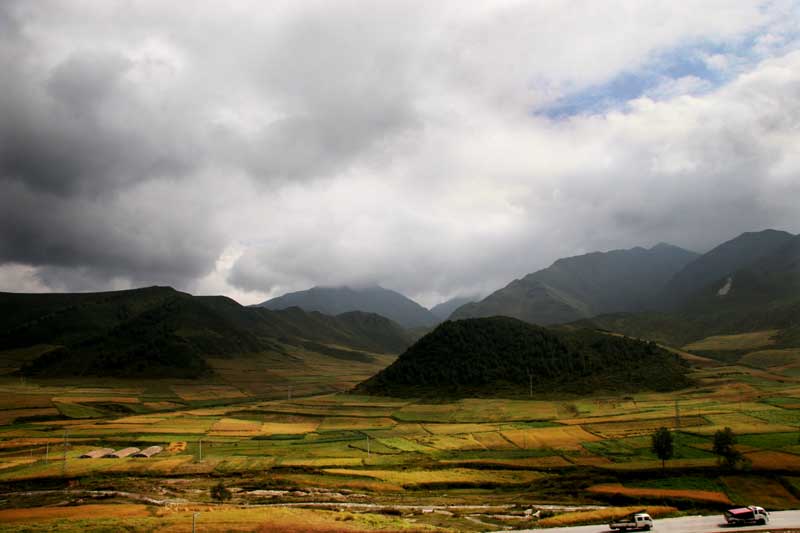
x,y
341,462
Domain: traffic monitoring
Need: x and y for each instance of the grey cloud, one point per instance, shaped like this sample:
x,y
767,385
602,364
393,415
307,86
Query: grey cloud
x,y
268,148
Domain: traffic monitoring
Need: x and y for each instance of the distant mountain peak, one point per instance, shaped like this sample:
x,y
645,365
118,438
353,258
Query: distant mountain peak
x,y
720,262
585,285
372,299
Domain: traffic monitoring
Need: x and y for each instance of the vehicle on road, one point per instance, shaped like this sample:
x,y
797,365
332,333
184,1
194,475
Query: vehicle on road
x,y
743,516
639,521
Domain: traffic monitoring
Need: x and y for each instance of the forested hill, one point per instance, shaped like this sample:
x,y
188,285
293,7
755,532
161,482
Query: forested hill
x,y
500,356
159,332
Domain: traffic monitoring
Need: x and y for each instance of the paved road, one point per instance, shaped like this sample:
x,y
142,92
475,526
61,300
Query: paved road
x,y
688,524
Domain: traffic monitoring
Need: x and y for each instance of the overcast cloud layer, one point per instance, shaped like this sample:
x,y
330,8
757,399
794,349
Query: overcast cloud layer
x,y
437,148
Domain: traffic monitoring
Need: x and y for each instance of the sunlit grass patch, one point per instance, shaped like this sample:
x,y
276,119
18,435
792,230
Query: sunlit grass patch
x,y
405,445
611,430
707,496
174,519
449,442
565,437
494,441
740,423
410,478
768,492
772,358
550,461
289,428
478,411
323,462
742,341
774,460
345,422
207,392
235,427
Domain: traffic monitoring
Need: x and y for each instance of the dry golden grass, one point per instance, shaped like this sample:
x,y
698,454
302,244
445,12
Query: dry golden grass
x,y
656,464
707,496
567,437
601,515
457,429
616,430
36,514
234,427
768,492
742,341
332,423
553,461
448,442
139,419
206,392
493,441
454,475
6,463
210,518
773,460
323,462
289,428
20,442
740,423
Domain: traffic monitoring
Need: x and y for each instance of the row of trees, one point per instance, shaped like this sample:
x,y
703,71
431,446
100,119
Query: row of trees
x,y
663,446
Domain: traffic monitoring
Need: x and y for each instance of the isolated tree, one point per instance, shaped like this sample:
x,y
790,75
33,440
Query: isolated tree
x,y
662,445
220,493
724,442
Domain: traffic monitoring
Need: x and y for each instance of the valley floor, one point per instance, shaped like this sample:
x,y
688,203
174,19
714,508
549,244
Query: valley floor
x,y
339,462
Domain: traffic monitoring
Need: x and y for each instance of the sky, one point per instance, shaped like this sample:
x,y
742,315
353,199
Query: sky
x,y
252,148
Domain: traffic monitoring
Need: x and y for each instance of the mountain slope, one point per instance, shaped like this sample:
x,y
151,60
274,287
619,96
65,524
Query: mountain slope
x,y
337,300
503,356
715,265
443,310
764,294
160,332
586,285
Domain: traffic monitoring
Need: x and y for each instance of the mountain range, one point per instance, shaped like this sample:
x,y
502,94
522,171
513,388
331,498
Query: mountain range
x,y
663,293
158,332
336,300
586,285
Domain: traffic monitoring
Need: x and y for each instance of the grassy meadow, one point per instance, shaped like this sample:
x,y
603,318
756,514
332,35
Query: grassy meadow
x,y
331,461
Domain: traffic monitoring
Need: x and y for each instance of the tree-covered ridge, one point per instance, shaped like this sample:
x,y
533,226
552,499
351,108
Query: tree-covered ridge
x,y
502,356
161,332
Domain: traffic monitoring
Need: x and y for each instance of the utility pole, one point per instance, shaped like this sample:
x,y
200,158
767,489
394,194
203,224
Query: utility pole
x,y
46,452
289,392
194,518
201,450
367,446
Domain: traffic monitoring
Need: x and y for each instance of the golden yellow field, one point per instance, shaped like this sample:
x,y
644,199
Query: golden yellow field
x,y
696,495
566,438
454,475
